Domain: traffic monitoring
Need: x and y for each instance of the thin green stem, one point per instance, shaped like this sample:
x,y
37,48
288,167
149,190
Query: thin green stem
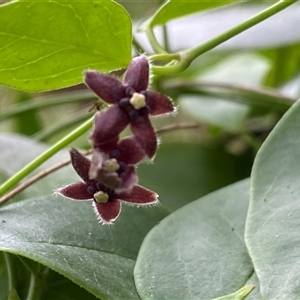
x,y
187,56
166,38
153,41
165,56
14,180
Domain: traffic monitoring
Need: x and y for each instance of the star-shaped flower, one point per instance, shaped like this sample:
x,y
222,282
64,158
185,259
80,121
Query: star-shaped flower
x,y
106,201
131,103
114,167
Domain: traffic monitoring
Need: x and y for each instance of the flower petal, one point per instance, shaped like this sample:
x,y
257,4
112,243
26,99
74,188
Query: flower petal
x,y
144,134
130,151
81,164
108,125
137,74
129,179
106,87
158,103
107,212
139,195
75,191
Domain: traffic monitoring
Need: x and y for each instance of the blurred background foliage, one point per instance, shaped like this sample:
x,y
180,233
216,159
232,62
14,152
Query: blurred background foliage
x,y
234,95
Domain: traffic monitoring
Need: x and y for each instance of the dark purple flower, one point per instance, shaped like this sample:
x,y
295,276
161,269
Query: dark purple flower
x,y
114,165
132,104
107,201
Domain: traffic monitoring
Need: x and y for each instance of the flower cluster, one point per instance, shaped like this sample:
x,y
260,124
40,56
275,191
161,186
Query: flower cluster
x,y
110,177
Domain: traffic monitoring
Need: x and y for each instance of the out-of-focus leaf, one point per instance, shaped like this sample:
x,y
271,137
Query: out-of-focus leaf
x,y
197,252
285,64
3,279
272,229
243,69
173,9
65,236
182,172
47,44
57,286
18,276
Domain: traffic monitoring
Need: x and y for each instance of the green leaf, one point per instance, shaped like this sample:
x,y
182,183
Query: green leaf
x,y
201,252
272,230
239,69
238,295
46,45
174,8
283,66
65,236
13,295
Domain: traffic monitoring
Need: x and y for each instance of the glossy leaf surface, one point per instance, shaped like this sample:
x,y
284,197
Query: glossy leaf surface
x,y
65,236
201,253
272,231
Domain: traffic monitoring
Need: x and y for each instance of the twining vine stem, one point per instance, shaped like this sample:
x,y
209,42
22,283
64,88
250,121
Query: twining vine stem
x,y
188,55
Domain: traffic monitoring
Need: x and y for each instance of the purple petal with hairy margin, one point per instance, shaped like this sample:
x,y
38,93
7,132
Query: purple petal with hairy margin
x,y
81,164
107,212
144,134
137,74
106,87
158,103
108,124
130,151
75,191
129,179
139,195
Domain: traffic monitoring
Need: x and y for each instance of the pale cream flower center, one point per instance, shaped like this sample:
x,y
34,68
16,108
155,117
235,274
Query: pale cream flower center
x,y
111,165
138,101
101,197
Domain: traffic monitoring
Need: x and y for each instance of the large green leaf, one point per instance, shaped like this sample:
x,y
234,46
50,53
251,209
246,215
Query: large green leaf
x,y
173,9
65,236
47,44
273,226
197,252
